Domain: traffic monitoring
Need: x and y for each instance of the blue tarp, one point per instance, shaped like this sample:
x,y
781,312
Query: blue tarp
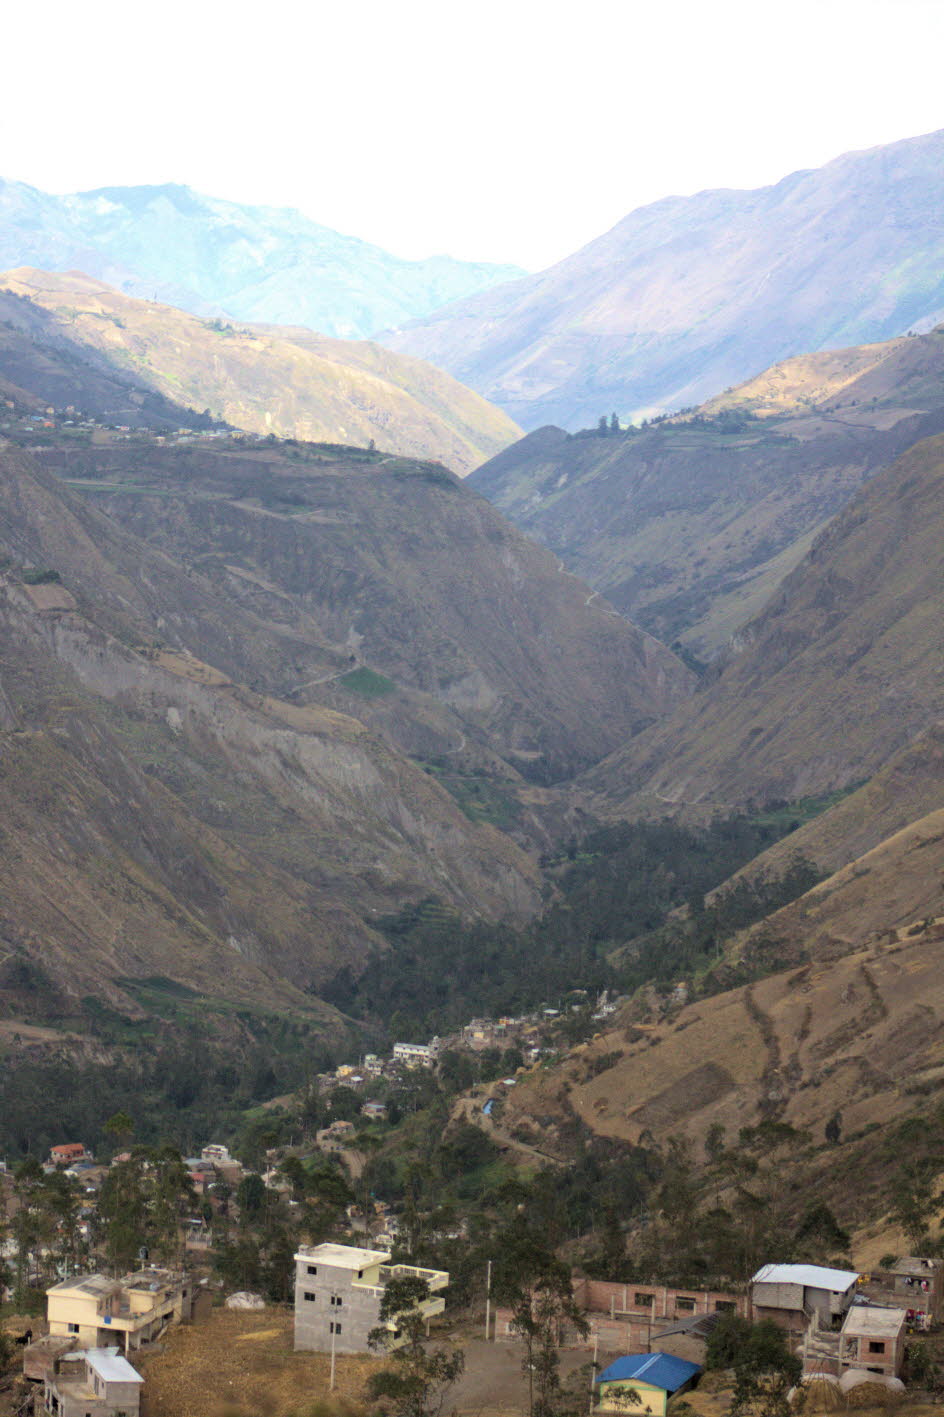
x,y
487,1109
660,1369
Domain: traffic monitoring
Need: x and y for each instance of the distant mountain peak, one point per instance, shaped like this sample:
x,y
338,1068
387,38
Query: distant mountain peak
x,y
209,255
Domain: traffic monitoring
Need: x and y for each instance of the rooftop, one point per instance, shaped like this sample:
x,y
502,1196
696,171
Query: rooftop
x,y
660,1369
97,1284
343,1256
811,1276
111,1367
870,1321
914,1264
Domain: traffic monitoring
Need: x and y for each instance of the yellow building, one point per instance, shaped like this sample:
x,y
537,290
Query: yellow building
x,y
97,1311
652,1377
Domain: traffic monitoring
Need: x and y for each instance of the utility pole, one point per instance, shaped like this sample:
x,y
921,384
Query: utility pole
x,y
333,1337
593,1370
488,1297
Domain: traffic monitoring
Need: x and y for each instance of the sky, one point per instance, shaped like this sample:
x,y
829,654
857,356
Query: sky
x,y
512,132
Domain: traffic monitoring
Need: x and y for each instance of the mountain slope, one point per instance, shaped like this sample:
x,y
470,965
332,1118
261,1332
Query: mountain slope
x,y
489,651
691,294
267,381
163,820
215,257
689,526
841,671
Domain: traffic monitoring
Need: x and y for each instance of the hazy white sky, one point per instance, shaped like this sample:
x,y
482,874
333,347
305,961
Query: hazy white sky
x,y
507,130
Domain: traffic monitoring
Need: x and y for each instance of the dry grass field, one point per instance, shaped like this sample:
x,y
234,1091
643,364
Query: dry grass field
x,y
244,1362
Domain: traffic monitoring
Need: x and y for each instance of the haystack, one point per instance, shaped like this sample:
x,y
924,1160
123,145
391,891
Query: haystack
x,y
821,1393
870,1389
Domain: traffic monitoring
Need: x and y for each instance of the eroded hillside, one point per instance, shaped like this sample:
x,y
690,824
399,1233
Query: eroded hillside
x,y
481,647
163,817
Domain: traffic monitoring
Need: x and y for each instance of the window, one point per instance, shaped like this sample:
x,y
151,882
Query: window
x,y
334,1328
312,1269
876,1347
724,1306
337,1300
686,1305
309,1297
643,1301
73,1328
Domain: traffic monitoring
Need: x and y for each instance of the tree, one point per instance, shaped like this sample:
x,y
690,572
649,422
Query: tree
x,y
141,1201
120,1127
603,426
251,1196
614,423
915,1200
416,1383
764,1371
542,1310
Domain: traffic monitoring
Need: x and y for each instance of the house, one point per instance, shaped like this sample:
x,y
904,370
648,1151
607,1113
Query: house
x,y
413,1055
130,1311
338,1292
873,1339
217,1155
96,1383
374,1111
68,1154
654,1376
792,1294
911,1283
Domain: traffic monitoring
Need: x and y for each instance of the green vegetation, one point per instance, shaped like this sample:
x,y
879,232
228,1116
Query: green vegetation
x,y
607,928
481,799
40,576
416,1381
368,683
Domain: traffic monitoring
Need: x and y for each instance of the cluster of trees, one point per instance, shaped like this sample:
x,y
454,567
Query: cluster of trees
x,y
619,885
153,1075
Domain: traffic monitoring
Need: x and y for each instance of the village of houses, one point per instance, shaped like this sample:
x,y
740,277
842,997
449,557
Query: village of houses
x,y
92,1353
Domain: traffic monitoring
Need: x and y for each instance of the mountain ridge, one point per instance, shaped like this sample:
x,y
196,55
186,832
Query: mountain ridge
x,y
690,294
269,381
214,257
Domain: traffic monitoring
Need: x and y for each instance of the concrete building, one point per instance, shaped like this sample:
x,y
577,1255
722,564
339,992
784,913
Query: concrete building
x,y
912,1283
873,1339
790,1294
127,1312
96,1383
338,1291
414,1055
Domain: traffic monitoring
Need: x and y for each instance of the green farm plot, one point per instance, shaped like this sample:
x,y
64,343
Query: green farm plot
x,y
368,683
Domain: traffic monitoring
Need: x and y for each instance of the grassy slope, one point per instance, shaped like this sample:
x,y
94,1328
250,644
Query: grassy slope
x,y
267,380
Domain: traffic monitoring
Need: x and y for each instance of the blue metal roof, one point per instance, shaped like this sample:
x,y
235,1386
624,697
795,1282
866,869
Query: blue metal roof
x,y
660,1369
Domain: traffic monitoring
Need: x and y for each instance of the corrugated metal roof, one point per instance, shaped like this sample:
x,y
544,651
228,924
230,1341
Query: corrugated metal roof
x,y
111,1367
660,1369
811,1276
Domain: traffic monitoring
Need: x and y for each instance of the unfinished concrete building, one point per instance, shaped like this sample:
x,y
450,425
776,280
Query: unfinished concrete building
x,y
338,1292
